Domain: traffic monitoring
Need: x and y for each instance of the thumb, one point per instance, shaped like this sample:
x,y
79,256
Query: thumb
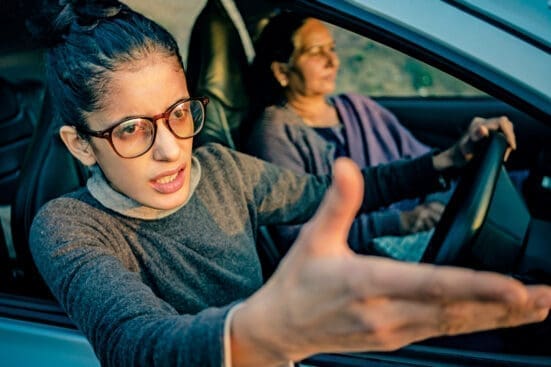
x,y
334,217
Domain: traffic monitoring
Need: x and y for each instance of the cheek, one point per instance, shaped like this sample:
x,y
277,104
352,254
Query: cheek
x,y
311,71
119,172
124,177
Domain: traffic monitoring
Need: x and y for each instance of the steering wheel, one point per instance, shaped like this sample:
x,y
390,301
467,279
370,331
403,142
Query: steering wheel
x,y
468,206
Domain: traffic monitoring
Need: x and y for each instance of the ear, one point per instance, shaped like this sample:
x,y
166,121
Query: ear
x,y
79,147
281,72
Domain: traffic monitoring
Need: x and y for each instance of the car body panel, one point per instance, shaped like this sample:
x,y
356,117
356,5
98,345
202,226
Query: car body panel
x,y
25,343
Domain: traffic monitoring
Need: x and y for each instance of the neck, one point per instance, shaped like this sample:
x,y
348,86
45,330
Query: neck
x,y
102,191
315,111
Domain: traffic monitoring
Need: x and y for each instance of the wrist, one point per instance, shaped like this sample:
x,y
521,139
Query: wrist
x,y
443,160
253,341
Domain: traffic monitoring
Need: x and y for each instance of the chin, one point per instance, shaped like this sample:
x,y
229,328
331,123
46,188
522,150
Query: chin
x,y
168,204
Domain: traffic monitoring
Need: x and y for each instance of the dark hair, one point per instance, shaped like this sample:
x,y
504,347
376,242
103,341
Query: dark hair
x,y
275,43
88,40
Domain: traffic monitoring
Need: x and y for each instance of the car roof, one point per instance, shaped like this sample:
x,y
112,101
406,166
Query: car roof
x,y
528,19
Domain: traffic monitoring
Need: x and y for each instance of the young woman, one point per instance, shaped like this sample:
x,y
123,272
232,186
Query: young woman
x,y
155,259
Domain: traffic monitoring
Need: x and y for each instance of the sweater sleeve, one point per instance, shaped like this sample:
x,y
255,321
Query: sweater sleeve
x,y
284,197
126,323
276,141
273,140
383,184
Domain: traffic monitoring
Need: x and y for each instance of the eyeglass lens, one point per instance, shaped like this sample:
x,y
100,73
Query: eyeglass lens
x,y
134,137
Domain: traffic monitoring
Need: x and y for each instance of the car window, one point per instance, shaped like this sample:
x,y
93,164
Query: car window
x,y
371,68
175,15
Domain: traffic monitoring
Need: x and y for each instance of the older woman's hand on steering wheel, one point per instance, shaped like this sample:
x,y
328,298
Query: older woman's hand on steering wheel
x,y
463,151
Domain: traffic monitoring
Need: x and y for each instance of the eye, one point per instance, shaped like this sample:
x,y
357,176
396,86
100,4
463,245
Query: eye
x,y
180,112
132,128
315,51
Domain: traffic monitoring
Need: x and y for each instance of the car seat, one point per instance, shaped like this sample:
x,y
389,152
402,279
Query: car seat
x,y
18,117
219,53
220,50
48,171
21,103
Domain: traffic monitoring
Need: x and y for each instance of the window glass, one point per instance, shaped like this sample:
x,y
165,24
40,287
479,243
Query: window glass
x,y
176,16
370,68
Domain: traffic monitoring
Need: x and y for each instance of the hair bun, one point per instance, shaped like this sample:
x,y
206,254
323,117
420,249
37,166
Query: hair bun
x,y
54,23
89,12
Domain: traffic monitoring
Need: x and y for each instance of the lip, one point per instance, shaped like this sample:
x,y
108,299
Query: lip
x,y
172,186
330,77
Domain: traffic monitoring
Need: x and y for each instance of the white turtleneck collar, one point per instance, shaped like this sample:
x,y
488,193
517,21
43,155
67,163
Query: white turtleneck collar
x,y
103,192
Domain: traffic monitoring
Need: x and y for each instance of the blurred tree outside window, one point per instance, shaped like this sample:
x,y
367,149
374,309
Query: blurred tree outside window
x,y
372,69
367,67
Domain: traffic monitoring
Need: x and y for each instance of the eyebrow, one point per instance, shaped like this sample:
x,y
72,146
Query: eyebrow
x,y
130,117
304,49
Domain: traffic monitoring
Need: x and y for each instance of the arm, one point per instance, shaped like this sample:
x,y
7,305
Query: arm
x,y
367,304
372,303
299,148
102,290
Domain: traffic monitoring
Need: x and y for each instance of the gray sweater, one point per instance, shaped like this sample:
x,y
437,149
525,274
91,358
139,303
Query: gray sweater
x,y
156,292
370,134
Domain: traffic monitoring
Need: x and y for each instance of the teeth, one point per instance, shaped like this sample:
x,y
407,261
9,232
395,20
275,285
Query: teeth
x,y
167,179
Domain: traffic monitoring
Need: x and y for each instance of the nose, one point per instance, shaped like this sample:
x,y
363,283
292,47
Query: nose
x,y
166,146
332,57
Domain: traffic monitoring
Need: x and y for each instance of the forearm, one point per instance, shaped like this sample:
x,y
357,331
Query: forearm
x,y
389,183
446,159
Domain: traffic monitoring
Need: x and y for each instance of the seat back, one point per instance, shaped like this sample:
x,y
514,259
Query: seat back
x,y
20,104
220,50
216,67
49,171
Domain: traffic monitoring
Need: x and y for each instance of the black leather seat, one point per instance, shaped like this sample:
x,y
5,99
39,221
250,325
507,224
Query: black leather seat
x,y
216,68
20,104
20,107
48,171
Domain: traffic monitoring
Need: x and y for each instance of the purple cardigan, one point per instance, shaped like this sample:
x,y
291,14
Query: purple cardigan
x,y
373,135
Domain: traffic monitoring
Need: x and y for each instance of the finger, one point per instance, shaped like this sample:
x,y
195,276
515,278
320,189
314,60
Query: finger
x,y
436,207
339,207
433,214
384,277
506,127
466,318
539,296
424,222
386,324
480,128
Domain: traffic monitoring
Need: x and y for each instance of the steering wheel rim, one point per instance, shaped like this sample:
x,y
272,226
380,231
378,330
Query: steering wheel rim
x,y
465,213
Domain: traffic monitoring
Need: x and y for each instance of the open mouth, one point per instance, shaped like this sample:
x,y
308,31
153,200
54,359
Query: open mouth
x,y
170,183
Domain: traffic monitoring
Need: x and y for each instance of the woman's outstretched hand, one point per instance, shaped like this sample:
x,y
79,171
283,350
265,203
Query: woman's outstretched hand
x,y
325,298
463,151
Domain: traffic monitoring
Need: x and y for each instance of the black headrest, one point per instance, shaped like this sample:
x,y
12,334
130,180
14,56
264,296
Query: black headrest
x,y
216,58
217,68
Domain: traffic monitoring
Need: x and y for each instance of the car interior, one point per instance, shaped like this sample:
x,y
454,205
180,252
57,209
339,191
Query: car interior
x,y
36,167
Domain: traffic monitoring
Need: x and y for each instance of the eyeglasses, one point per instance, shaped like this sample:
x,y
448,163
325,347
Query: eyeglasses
x,y
133,137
